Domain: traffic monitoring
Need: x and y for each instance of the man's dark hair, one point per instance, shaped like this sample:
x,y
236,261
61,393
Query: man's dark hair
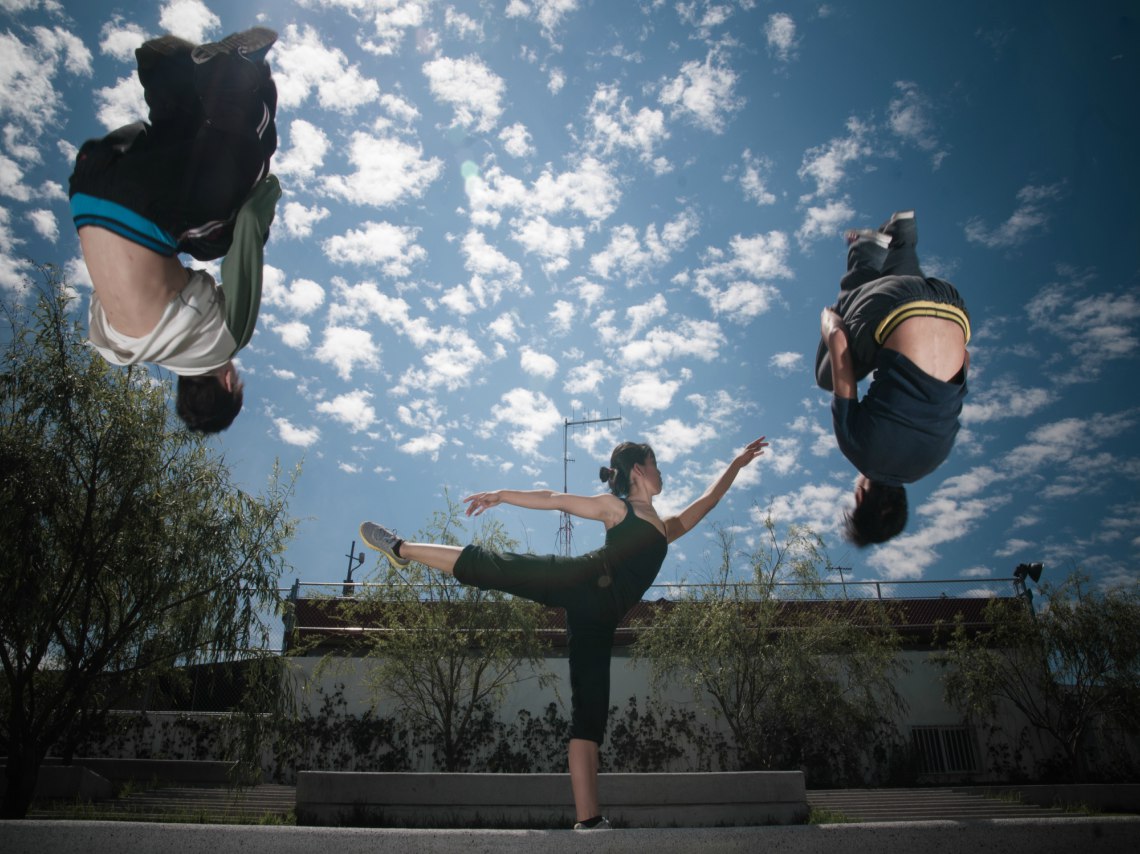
x,y
879,516
204,404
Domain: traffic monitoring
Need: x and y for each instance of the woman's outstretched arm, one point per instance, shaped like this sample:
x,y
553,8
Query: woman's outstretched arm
x,y
603,508
679,525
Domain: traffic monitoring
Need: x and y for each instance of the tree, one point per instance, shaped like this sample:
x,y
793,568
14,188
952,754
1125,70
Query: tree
x,y
1071,670
449,653
126,551
800,681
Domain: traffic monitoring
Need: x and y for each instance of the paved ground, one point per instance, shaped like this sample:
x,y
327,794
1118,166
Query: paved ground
x,y
1112,835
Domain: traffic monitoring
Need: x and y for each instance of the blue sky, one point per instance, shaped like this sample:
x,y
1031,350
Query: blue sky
x,y
501,215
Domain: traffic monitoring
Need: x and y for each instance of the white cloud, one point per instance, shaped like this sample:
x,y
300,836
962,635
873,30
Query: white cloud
x,y
391,20
780,30
290,434
547,13
427,444
633,256
562,317
537,364
346,349
700,339
703,93
293,334
301,296
826,221
648,391
529,416
352,409
120,104
753,178
120,39
553,243
27,71
909,118
306,154
614,125
827,164
302,65
470,87
555,81
1031,217
392,248
1098,327
388,171
728,281
299,220
45,225
786,363
673,439
1004,399
516,140
585,379
463,26
590,190
640,316
189,19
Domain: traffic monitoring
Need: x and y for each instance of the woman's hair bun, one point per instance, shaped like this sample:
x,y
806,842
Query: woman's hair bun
x,y
605,474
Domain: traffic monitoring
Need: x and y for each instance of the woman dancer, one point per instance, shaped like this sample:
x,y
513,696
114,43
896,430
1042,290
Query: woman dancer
x,y
596,589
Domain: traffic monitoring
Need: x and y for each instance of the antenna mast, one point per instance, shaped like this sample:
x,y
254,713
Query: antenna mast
x,y
566,525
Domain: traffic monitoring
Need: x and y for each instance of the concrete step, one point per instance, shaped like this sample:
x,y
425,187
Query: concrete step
x,y
920,805
215,804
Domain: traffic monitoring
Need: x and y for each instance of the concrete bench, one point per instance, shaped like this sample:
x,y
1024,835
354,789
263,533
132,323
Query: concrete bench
x,y
545,800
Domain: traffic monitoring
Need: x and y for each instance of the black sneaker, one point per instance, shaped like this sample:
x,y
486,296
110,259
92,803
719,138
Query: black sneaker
x,y
150,52
598,822
252,44
384,541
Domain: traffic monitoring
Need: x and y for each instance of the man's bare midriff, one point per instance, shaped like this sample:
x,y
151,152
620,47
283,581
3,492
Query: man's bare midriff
x,y
134,284
936,346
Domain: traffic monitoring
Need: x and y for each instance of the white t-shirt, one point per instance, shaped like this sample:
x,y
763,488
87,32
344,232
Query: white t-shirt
x,y
190,339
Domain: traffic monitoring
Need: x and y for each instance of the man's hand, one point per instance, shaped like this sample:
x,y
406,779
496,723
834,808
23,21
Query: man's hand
x,y
830,321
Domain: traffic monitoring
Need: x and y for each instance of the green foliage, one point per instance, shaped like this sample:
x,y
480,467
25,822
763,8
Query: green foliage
x,y
1072,671
126,550
799,681
457,649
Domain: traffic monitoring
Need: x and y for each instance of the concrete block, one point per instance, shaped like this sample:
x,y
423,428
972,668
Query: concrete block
x,y
545,800
67,782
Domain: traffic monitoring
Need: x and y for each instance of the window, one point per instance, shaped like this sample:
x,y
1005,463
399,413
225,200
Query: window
x,y
944,750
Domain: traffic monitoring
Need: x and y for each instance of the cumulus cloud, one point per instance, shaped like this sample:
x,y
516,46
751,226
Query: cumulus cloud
x,y
529,418
909,117
1031,217
291,434
754,177
537,364
786,363
352,409
391,248
735,281
548,14
302,66
590,190
648,391
673,439
585,378
190,19
299,220
703,93
388,171
613,126
553,243
470,87
633,256
688,339
516,140
1004,398
347,348
27,71
306,153
1097,327
120,38
826,221
391,20
780,30
300,297
827,164
45,225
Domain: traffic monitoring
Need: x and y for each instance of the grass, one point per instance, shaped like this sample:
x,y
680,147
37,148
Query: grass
x,y
822,815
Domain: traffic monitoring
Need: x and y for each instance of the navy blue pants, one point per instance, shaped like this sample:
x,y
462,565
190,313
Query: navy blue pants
x,y
210,135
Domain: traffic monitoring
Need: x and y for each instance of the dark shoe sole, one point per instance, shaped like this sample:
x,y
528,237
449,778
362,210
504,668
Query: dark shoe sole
x,y
246,43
